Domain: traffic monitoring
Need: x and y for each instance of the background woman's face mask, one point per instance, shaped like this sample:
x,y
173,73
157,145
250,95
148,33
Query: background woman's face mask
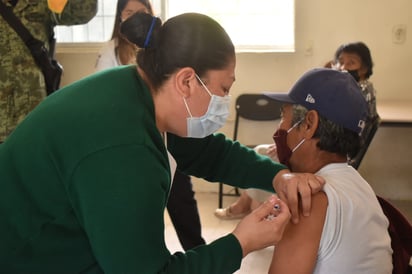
x,y
355,74
214,118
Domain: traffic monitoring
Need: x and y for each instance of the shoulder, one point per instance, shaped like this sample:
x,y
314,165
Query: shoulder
x,y
367,86
309,228
108,48
111,44
298,250
315,221
107,56
76,12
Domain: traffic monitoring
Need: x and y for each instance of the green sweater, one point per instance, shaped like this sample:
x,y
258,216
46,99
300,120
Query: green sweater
x,y
85,178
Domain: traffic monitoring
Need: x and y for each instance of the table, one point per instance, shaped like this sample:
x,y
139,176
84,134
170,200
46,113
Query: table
x,y
395,113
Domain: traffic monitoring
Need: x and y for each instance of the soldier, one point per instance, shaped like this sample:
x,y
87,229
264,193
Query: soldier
x,y
22,85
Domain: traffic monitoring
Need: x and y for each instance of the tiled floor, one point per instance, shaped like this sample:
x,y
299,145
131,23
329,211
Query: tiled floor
x,y
213,228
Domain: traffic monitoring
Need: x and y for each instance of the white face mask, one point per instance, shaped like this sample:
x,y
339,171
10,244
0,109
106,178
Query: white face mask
x,y
214,118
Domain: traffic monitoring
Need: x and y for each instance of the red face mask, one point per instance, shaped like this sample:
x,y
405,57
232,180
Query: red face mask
x,y
283,150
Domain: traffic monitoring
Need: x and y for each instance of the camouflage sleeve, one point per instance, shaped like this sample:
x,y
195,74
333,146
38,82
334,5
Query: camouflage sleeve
x,y
76,12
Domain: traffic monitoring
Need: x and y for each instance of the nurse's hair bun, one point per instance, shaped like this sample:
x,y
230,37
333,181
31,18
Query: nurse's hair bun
x,y
141,29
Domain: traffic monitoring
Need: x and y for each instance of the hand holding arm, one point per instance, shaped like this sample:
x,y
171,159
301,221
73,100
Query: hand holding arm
x,y
294,186
256,231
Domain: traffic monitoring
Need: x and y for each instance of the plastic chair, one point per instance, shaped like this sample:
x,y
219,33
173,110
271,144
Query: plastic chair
x,y
253,107
369,132
400,231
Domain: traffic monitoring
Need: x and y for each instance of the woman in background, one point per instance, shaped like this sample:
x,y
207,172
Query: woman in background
x,y
118,50
356,58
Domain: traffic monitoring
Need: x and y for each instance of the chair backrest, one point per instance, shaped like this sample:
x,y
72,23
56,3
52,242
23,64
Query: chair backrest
x,y
400,231
256,107
369,133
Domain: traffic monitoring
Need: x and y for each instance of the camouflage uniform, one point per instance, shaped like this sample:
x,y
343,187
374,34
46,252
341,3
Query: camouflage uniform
x,y
22,85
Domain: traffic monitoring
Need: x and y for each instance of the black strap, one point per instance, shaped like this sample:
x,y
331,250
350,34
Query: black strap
x,y
13,2
32,43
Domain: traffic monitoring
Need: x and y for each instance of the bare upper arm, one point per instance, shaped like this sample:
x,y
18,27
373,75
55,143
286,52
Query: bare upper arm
x,y
297,251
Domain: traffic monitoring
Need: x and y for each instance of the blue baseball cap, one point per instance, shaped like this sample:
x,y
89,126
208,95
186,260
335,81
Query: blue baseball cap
x,y
333,94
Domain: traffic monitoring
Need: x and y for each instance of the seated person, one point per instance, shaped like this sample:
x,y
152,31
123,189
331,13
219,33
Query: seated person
x,y
356,58
353,57
347,232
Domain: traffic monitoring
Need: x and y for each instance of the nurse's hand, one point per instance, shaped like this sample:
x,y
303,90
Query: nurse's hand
x,y
291,187
264,226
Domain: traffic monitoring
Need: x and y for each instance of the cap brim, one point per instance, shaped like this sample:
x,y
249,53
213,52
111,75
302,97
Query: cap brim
x,y
280,96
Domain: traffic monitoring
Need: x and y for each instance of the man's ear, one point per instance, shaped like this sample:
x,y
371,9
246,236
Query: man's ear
x,y
312,123
185,79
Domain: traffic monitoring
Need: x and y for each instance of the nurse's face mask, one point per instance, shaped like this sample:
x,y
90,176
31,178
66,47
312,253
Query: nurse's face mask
x,y
214,118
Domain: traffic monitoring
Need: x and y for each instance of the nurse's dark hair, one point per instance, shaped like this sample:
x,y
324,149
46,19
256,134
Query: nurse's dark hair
x,y
332,137
187,40
362,50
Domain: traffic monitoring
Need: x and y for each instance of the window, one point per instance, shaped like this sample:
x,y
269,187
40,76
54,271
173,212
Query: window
x,y
99,29
260,25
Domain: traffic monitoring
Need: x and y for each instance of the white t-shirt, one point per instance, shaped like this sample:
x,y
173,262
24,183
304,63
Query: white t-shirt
x,y
355,235
107,56
172,162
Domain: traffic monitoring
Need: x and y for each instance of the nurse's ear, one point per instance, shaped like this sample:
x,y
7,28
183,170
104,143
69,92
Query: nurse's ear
x,y
185,80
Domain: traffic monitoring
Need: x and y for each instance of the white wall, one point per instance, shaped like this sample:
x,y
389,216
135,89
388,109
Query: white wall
x,y
321,26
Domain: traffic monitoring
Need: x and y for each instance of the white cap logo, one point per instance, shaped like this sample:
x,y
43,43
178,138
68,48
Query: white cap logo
x,y
361,124
310,99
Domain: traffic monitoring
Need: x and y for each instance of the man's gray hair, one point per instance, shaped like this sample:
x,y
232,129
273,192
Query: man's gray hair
x,y
332,137
299,113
